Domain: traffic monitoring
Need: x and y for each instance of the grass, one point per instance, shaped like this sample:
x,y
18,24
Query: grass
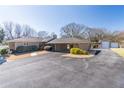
x,y
119,51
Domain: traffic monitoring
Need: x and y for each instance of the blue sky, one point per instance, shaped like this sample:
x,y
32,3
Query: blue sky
x,y
52,18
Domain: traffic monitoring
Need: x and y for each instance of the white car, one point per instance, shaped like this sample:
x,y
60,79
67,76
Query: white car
x,y
2,59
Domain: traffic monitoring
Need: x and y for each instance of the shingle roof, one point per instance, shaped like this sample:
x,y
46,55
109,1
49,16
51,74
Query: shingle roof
x,y
68,40
33,39
47,40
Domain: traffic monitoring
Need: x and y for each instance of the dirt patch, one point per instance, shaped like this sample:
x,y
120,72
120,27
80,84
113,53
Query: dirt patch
x,y
16,57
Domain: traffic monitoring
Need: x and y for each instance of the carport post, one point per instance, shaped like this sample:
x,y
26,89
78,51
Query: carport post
x,y
55,47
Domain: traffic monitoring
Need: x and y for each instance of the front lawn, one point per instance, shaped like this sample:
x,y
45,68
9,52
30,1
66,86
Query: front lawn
x,y
119,51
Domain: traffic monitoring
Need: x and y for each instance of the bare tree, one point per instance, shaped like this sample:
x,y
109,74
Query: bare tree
x,y
116,36
93,34
18,31
53,35
72,30
1,35
42,34
8,28
96,34
28,31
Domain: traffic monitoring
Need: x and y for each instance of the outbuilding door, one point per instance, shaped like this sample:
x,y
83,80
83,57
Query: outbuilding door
x,y
107,44
114,45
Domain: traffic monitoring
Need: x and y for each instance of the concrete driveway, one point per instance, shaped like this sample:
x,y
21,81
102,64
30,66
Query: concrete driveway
x,y
53,70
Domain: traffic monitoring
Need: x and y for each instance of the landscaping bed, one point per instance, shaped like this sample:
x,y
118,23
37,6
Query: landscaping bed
x,y
13,57
79,53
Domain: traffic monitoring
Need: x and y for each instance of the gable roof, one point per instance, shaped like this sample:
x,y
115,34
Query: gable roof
x,y
68,40
32,39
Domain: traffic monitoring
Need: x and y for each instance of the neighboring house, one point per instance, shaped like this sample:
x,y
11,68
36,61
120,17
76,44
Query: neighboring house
x,y
13,44
65,44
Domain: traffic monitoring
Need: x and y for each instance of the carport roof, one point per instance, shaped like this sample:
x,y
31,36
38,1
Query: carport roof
x,y
48,39
32,39
68,40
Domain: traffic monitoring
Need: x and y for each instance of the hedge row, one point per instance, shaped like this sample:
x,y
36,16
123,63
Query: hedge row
x,y
22,49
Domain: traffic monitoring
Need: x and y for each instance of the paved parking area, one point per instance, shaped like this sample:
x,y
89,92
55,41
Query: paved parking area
x,y
54,70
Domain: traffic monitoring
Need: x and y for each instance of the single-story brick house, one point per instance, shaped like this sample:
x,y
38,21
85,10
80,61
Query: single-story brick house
x,y
13,44
33,41
65,44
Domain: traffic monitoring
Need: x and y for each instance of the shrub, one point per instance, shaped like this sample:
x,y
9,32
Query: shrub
x,y
22,49
34,48
3,51
78,51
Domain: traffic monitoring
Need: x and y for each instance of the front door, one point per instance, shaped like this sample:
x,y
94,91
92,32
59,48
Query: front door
x,y
71,46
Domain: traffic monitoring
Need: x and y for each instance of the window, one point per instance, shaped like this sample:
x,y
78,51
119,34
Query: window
x,y
71,46
26,44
